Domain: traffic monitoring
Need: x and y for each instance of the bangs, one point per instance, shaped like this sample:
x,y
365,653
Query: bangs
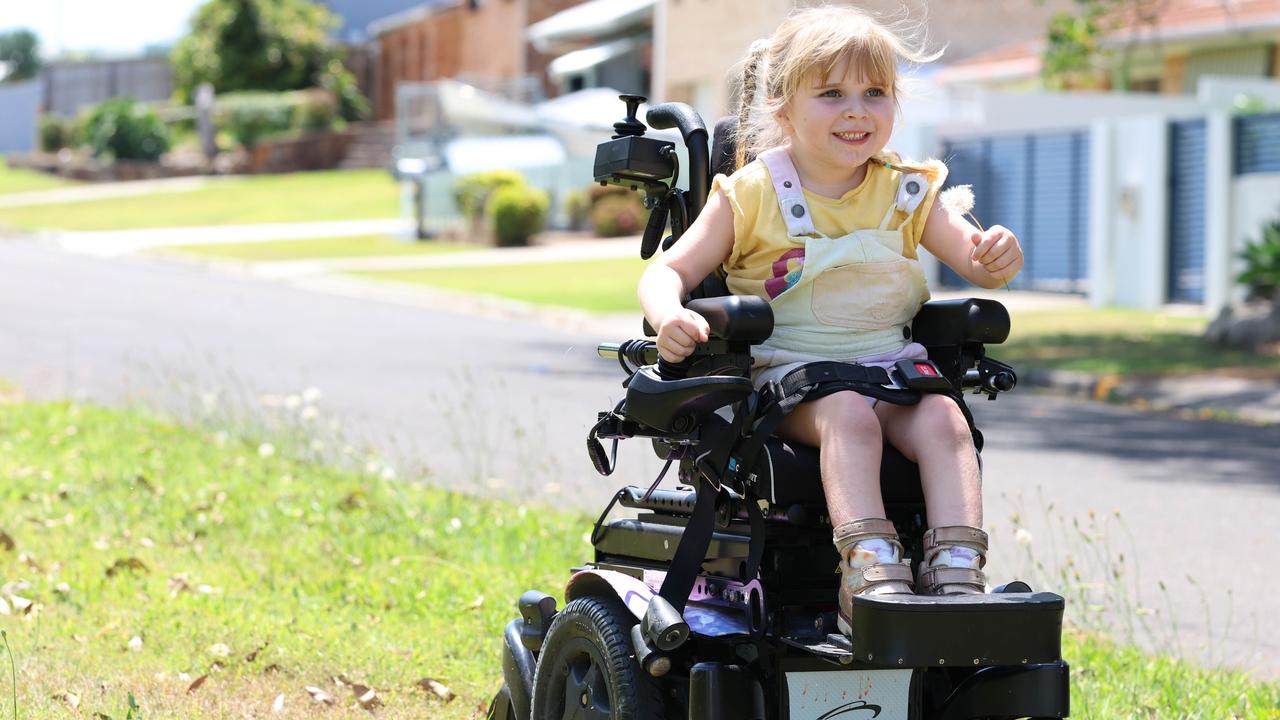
x,y
853,44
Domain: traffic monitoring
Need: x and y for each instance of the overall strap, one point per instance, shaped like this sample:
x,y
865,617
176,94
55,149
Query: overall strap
x,y
912,187
786,184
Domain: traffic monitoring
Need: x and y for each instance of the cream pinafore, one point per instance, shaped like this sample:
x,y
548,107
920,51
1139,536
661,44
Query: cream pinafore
x,y
856,294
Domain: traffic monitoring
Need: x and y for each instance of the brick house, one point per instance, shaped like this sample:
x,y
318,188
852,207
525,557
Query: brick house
x,y
473,40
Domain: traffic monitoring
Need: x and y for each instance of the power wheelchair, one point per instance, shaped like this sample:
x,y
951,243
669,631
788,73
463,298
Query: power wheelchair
x,y
717,601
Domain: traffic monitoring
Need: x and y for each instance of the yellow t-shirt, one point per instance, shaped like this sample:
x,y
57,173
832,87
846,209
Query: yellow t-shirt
x,y
760,239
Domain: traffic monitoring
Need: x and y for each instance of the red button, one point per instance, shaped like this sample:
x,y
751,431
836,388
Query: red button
x,y
926,369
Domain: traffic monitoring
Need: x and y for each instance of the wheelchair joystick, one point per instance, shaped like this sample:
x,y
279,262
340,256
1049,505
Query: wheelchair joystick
x,y
630,125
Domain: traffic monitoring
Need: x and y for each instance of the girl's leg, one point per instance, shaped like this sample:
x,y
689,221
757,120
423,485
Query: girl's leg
x,y
845,427
935,436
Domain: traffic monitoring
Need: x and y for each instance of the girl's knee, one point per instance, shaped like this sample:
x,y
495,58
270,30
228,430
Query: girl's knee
x,y
939,418
848,415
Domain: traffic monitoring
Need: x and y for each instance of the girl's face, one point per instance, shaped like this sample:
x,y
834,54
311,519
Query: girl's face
x,y
839,122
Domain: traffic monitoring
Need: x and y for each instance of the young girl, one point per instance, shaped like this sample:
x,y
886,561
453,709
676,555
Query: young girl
x,y
824,224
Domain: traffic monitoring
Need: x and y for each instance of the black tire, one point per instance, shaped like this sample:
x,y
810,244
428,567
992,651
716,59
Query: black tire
x,y
500,708
587,668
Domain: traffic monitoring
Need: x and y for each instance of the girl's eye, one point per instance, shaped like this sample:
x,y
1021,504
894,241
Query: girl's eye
x,y
830,93
875,92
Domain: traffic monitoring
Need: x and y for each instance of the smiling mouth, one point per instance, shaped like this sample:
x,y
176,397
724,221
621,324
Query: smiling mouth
x,y
852,136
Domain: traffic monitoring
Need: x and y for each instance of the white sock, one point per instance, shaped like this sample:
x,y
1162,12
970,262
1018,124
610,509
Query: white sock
x,y
957,556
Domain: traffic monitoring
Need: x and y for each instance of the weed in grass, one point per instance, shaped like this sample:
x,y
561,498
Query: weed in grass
x,y
13,672
1092,562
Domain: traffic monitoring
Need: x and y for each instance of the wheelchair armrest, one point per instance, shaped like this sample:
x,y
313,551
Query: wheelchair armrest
x,y
736,318
957,322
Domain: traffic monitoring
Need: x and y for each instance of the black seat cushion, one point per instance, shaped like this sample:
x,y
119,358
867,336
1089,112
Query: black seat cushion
x,y
787,474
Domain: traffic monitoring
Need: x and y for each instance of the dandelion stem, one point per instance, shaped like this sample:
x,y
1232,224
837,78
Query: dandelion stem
x,y
13,672
978,222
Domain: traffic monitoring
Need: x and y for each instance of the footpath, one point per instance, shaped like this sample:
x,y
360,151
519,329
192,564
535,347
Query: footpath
x,y
1202,395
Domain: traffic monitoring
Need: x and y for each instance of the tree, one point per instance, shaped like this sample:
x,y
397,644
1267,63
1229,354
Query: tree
x,y
271,45
19,50
1073,41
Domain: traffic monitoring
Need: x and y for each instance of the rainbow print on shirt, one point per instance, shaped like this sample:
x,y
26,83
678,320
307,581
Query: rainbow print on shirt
x,y
786,272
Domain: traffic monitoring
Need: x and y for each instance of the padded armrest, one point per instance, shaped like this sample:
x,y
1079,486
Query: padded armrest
x,y
956,322
737,318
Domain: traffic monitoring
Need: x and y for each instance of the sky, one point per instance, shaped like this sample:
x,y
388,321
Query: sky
x,y
113,27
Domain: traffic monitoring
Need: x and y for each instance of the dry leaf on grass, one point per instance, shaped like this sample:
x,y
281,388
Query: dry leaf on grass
x,y
4,607
21,604
436,688
6,542
198,682
129,563
135,644
319,695
254,655
219,650
69,698
477,603
277,705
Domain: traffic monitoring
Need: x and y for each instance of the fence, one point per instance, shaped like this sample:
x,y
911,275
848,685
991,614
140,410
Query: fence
x,y
69,87
1257,143
1037,185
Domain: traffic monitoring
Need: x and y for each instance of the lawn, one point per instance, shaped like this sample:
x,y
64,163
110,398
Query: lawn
x,y
320,248
296,197
16,180
197,576
591,285
1121,342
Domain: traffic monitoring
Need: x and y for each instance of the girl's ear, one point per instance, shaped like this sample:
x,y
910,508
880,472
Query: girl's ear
x,y
783,121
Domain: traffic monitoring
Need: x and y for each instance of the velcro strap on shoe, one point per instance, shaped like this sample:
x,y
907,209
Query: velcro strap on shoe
x,y
932,577
847,533
955,535
885,572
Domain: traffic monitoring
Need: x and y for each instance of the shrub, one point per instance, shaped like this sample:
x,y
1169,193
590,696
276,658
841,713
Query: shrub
x,y
1262,265
472,192
123,129
614,215
53,133
313,110
516,213
576,205
249,117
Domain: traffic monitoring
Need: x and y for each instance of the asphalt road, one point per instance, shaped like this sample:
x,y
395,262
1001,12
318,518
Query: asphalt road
x,y
502,407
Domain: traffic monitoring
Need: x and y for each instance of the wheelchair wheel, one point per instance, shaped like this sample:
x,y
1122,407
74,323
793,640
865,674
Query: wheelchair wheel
x,y
587,670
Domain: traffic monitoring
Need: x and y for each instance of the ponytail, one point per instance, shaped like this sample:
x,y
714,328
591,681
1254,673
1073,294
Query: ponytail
x,y
750,74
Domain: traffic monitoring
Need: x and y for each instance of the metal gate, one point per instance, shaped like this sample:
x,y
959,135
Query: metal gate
x,y
1186,210
1038,186
1257,143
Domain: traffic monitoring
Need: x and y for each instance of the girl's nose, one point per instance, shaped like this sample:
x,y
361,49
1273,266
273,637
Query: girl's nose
x,y
855,110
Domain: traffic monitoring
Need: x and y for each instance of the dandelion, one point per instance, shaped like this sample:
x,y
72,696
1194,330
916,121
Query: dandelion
x,y
293,402
135,644
309,413
1023,536
958,199
266,450
311,395
455,524
388,473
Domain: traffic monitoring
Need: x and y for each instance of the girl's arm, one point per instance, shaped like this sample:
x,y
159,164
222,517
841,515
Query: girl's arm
x,y
986,259
702,248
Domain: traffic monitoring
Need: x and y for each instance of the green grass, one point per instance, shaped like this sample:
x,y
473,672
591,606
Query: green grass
x,y
15,180
591,285
126,526
321,248
297,197
329,572
1121,342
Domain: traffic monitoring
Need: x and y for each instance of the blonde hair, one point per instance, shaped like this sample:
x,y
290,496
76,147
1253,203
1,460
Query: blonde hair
x,y
817,40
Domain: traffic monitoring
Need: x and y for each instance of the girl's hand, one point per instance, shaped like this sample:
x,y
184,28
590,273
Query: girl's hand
x,y
997,251
679,332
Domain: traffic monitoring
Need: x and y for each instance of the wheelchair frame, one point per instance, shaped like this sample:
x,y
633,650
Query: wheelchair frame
x,y
717,599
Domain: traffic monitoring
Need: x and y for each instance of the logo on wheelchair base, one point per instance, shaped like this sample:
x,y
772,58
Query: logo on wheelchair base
x,y
849,695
